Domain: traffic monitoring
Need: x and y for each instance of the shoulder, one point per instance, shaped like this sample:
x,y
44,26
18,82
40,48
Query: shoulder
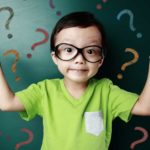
x,y
44,83
102,82
49,82
106,85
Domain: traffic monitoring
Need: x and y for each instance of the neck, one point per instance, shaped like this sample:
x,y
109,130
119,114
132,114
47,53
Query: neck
x,y
76,89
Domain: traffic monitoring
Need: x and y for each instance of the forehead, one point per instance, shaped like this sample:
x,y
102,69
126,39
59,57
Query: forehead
x,y
79,36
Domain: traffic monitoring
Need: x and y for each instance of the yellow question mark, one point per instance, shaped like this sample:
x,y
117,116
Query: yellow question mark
x,y
13,68
134,60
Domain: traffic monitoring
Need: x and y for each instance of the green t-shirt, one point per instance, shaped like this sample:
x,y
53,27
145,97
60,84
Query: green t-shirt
x,y
71,124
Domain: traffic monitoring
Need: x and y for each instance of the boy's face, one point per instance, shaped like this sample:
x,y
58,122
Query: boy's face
x,y
78,69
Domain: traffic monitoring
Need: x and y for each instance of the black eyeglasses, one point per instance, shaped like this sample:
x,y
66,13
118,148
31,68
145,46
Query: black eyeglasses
x,y
66,52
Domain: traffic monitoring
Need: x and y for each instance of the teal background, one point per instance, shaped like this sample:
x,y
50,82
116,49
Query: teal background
x,y
29,15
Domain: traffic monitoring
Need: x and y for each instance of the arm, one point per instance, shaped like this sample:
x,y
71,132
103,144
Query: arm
x,y
8,101
142,106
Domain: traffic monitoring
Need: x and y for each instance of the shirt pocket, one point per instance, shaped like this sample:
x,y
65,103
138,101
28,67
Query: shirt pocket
x,y
94,123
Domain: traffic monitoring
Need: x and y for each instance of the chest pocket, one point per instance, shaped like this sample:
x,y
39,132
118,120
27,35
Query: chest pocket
x,y
94,123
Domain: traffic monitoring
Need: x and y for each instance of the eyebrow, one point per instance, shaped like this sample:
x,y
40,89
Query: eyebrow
x,y
94,42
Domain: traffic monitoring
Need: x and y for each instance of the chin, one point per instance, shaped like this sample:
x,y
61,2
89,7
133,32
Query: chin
x,y
79,80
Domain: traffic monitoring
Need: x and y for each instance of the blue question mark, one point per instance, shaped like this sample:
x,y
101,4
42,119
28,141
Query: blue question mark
x,y
131,16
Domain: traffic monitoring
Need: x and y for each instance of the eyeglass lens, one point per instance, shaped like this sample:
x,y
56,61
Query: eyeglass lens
x,y
68,52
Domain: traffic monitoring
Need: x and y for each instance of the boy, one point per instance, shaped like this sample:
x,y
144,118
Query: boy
x,y
78,110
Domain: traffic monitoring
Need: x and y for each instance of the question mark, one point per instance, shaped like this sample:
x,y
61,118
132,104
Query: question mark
x,y
13,68
143,139
8,138
99,6
10,10
52,6
131,16
40,42
134,60
0,134
29,140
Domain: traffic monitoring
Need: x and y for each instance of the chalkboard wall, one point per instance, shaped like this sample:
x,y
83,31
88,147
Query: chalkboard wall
x,y
25,28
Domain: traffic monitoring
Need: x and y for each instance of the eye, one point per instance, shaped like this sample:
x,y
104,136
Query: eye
x,y
90,51
68,49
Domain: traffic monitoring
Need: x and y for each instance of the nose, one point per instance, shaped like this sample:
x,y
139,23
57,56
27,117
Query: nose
x,y
79,59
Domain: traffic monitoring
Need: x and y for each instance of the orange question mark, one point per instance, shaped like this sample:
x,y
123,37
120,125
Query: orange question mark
x,y
134,60
13,68
143,139
29,140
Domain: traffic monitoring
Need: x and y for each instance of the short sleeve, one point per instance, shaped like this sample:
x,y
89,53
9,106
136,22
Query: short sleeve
x,y
31,98
121,102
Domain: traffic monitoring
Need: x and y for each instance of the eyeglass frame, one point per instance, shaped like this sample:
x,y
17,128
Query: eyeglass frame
x,y
79,50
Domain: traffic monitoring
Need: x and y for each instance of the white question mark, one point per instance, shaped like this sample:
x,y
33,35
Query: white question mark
x,y
131,16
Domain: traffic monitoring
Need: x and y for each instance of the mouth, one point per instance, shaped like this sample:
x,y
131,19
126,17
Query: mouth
x,y
79,71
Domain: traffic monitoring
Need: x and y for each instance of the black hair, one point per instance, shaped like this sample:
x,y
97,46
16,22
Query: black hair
x,y
77,19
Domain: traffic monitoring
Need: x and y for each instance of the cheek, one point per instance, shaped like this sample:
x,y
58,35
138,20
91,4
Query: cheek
x,y
94,68
62,67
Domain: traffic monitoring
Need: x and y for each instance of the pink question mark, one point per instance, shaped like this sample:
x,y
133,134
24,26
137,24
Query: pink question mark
x,y
99,6
29,140
40,42
52,6
143,139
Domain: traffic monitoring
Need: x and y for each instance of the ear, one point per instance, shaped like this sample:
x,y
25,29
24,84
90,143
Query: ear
x,y
54,58
100,63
